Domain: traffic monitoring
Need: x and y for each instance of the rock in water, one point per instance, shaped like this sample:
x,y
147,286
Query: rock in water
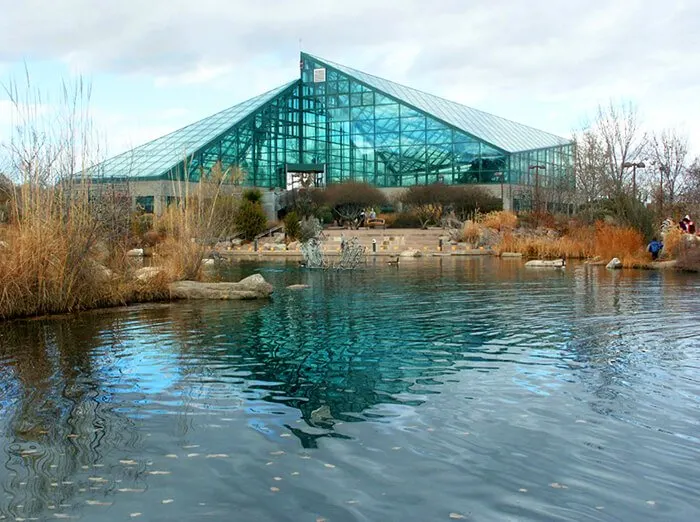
x,y
298,287
411,253
614,264
253,287
540,263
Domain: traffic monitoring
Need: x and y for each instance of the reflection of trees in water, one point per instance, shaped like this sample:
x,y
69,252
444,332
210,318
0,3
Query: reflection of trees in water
x,y
56,416
618,327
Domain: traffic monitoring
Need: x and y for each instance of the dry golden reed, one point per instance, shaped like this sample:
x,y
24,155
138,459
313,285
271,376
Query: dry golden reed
x,y
602,240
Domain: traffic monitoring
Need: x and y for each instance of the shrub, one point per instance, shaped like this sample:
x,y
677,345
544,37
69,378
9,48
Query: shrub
x,y
222,216
404,220
626,211
428,202
431,202
306,202
625,243
325,214
309,228
151,238
252,195
672,242
250,219
292,227
467,200
349,199
500,220
140,224
471,233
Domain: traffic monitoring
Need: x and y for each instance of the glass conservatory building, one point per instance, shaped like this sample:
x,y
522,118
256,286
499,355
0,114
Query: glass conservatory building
x,y
336,124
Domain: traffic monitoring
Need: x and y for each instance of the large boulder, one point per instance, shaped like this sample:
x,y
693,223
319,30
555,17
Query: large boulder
x,y
614,264
253,287
411,253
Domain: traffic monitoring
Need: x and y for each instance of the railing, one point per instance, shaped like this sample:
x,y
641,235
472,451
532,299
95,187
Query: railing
x,y
270,231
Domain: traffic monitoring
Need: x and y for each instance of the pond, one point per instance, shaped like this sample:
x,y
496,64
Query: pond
x,y
442,389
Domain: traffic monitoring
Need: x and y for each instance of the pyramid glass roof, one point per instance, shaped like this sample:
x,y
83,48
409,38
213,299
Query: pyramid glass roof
x,y
502,133
156,158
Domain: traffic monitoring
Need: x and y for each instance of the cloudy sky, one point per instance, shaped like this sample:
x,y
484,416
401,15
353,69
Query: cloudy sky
x,y
156,66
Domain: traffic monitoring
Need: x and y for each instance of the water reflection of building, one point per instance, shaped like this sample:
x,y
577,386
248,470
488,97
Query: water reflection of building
x,y
56,414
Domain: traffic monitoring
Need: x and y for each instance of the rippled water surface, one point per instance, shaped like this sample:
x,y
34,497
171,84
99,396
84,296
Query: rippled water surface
x,y
444,389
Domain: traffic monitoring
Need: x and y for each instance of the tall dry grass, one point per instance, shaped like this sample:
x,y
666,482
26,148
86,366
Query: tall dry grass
x,y
58,253
192,227
48,263
672,243
471,232
602,240
500,220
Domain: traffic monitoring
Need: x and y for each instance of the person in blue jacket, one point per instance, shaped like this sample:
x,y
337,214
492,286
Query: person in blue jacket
x,y
655,247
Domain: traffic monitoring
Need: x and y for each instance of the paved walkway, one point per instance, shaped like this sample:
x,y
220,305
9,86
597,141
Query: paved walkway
x,y
387,241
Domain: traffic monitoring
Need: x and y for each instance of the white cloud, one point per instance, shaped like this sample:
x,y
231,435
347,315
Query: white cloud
x,y
543,62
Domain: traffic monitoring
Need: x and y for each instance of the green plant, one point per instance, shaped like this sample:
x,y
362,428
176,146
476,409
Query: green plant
x,y
325,214
250,219
292,227
252,195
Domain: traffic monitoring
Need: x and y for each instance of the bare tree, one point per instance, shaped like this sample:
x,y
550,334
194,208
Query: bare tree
x,y
590,161
669,153
618,128
691,189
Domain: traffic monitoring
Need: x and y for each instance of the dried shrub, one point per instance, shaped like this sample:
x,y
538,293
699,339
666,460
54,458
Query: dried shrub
x,y
602,240
625,243
471,233
672,243
500,220
348,200
404,220
467,200
48,262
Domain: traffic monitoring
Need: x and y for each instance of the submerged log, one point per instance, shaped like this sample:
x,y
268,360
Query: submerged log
x,y
253,287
